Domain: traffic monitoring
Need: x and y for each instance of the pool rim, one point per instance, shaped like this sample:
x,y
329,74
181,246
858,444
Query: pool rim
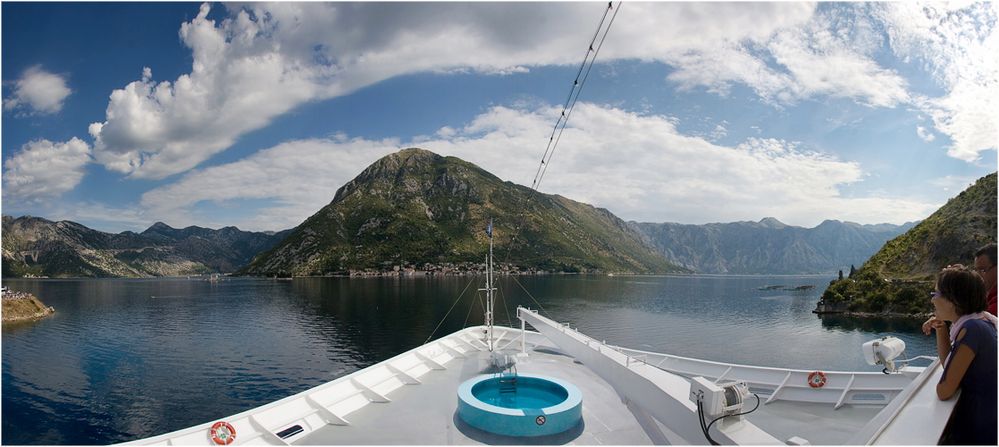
x,y
574,396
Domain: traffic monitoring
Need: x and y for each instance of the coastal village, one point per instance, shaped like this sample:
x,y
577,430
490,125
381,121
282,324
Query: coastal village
x,y
442,269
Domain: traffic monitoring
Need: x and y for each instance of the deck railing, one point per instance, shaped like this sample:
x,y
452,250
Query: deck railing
x,y
837,388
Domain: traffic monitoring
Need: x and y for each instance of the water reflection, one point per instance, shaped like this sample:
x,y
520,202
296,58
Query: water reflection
x,y
874,324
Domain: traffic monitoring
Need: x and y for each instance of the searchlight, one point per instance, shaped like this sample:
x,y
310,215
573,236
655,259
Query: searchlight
x,y
884,351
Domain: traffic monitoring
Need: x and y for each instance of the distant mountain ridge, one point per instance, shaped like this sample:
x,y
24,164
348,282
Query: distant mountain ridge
x,y
40,247
417,208
768,246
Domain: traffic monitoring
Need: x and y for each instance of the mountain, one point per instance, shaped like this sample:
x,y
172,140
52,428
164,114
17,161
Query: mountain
x,y
39,247
899,277
222,250
950,235
416,208
768,246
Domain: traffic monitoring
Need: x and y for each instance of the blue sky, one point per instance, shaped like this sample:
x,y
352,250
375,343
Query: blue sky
x,y
118,115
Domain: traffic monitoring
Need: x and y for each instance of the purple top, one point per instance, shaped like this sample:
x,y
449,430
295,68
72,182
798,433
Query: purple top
x,y
974,418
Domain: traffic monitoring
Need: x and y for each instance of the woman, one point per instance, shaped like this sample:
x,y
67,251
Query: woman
x,y
968,353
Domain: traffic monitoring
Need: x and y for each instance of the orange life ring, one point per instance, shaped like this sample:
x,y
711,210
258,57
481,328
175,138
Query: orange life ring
x,y
817,379
222,433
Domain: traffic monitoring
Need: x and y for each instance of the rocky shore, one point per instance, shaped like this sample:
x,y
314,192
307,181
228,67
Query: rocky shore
x,y
842,308
21,306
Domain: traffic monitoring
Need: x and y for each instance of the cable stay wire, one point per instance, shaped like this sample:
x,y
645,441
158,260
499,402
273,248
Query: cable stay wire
x,y
572,107
553,140
540,307
577,86
509,320
470,307
449,311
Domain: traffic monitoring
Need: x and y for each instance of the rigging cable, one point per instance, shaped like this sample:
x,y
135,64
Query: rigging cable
x,y
470,307
577,87
448,312
532,296
566,114
560,123
509,321
568,99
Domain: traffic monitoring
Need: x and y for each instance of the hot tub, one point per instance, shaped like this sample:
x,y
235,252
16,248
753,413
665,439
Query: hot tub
x,y
520,405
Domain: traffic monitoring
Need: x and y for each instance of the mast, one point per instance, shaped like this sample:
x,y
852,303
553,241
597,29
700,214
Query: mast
x,y
490,297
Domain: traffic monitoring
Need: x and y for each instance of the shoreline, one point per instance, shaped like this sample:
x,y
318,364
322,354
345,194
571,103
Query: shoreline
x,y
874,314
22,307
426,273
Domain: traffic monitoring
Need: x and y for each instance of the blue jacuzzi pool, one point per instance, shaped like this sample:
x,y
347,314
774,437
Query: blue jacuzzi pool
x,y
520,405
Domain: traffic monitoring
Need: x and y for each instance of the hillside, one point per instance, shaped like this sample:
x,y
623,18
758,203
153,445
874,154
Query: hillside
x,y
33,246
768,246
899,277
416,208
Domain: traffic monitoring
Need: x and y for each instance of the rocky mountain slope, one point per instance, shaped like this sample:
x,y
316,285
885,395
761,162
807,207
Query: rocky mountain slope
x,y
950,235
768,246
39,247
222,250
416,208
899,277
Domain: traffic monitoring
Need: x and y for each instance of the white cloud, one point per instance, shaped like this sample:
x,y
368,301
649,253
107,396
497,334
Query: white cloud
x,y
663,175
38,92
924,134
953,183
101,216
44,169
958,43
785,52
822,63
719,132
261,62
301,176
266,59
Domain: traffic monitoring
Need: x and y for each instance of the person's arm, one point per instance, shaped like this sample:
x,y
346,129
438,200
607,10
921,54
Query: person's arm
x,y
954,372
943,340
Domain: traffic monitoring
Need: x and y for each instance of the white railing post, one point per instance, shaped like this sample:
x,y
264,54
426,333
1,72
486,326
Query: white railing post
x,y
523,336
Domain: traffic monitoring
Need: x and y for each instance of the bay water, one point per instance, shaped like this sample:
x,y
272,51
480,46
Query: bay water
x,y
123,359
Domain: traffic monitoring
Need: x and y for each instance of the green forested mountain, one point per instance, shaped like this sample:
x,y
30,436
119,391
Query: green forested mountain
x,y
416,208
899,277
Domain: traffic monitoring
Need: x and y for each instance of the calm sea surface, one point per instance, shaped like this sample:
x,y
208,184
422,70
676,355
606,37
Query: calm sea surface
x,y
125,359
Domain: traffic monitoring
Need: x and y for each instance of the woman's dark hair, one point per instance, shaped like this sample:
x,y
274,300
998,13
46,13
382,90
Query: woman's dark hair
x,y
963,287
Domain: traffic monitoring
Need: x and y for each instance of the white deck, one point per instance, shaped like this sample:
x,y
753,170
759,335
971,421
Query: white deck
x,y
412,399
419,415
425,413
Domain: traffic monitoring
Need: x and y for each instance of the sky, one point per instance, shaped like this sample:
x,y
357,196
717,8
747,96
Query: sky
x,y
119,115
